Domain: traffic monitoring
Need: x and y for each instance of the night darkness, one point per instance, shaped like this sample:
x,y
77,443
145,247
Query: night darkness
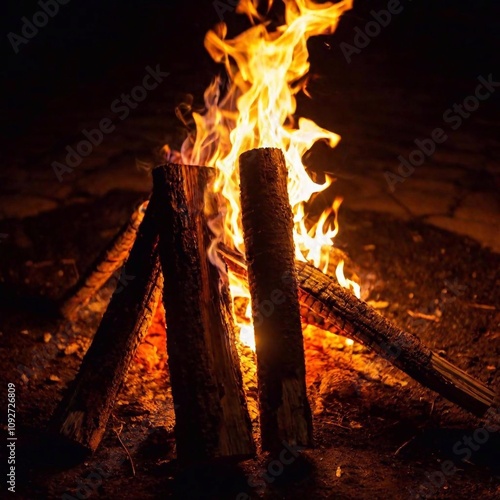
x,y
414,95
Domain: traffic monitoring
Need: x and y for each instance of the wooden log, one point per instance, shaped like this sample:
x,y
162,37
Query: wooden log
x,y
107,263
339,310
285,415
212,419
83,413
325,304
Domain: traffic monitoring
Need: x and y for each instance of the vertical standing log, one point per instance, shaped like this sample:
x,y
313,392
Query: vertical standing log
x,y
285,414
212,420
83,413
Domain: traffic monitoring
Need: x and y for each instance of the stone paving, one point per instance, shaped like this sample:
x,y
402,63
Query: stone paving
x,y
456,188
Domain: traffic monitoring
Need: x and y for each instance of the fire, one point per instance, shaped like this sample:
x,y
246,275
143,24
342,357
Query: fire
x,y
266,68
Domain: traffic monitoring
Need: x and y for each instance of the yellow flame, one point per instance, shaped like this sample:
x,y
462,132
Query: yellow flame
x,y
346,283
266,69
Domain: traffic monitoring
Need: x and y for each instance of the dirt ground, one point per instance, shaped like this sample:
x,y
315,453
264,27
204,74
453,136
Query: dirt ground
x,y
378,433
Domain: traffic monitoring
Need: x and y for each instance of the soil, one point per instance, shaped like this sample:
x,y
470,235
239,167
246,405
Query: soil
x,y
378,434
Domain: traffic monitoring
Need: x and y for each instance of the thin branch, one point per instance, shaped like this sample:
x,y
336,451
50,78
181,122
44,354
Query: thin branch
x,y
129,456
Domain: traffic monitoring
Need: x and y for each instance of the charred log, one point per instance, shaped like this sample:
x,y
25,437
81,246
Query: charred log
x,y
106,264
82,415
338,310
285,415
212,420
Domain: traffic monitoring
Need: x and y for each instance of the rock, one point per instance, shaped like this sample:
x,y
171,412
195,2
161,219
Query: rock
x,y
339,384
71,349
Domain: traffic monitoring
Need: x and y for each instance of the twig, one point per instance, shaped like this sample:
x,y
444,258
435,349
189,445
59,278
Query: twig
x,y
406,443
37,265
125,448
487,307
338,425
432,406
430,317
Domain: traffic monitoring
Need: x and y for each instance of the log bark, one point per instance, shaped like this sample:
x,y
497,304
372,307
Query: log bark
x,y
285,415
83,413
212,419
340,311
325,304
106,264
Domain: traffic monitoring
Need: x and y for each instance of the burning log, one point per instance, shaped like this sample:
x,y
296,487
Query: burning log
x,y
211,415
83,413
285,415
325,304
107,263
212,419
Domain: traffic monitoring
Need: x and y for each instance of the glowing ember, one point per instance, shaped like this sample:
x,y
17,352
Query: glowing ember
x,y
266,69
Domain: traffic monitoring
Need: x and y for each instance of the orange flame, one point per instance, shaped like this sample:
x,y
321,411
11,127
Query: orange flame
x,y
266,69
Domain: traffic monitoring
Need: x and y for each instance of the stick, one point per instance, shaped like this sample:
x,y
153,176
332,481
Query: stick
x,y
82,415
107,263
328,306
285,415
212,419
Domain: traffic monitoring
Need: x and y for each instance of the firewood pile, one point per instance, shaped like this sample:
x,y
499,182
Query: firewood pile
x,y
165,247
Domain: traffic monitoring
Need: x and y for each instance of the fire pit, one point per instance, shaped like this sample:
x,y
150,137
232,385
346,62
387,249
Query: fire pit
x,y
243,340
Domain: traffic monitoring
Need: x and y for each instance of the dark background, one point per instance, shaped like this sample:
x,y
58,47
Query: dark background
x,y
88,40
394,91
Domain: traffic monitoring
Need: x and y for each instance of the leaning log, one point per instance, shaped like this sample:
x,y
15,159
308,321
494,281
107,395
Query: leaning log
x,y
267,220
211,416
107,263
325,304
339,310
81,417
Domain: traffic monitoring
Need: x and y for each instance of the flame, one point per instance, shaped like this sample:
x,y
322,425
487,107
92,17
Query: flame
x,y
346,283
266,67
